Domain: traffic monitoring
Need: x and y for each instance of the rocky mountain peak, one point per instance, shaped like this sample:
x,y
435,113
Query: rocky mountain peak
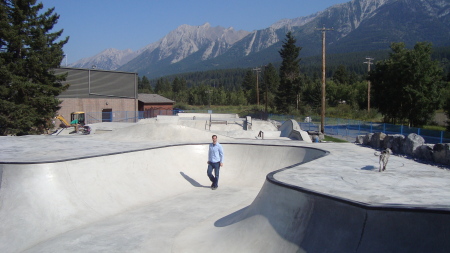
x,y
363,24
110,59
187,39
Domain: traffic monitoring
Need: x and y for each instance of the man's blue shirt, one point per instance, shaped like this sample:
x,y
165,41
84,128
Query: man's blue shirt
x,y
215,153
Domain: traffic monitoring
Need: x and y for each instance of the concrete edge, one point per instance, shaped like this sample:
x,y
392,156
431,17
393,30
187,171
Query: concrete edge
x,y
382,207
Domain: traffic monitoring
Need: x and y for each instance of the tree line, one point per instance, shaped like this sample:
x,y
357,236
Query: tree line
x,y
407,86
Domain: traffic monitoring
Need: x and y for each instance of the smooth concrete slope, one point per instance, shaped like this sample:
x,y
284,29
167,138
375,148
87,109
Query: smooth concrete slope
x,y
329,205
314,223
134,202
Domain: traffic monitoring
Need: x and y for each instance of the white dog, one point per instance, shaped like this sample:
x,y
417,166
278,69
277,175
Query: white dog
x,y
384,157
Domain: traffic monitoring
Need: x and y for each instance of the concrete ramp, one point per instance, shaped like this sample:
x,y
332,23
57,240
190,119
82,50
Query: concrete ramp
x,y
291,129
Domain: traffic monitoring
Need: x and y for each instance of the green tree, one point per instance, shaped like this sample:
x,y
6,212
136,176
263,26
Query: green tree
x,y
237,97
249,86
406,86
179,84
29,50
270,83
312,92
446,108
163,88
219,96
289,88
144,85
341,75
179,88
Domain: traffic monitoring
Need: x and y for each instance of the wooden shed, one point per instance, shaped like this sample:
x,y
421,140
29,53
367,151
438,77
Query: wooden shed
x,y
154,104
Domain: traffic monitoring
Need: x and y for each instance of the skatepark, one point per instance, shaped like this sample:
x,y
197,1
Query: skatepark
x,y
142,187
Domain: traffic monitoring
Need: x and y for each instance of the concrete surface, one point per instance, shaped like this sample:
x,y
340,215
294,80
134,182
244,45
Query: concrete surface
x,y
143,188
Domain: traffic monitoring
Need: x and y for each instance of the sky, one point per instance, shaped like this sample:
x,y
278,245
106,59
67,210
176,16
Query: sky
x,y
96,25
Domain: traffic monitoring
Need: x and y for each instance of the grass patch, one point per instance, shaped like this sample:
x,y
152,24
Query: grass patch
x,y
435,128
332,139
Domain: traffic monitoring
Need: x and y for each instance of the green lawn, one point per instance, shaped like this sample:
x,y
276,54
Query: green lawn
x,y
332,139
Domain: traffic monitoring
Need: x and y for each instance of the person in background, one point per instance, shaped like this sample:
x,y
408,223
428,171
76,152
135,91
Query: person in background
x,y
75,124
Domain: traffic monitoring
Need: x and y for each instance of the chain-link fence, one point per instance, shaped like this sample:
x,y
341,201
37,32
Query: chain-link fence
x,y
349,129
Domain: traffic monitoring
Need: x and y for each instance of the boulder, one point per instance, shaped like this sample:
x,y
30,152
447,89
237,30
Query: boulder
x,y
367,139
425,152
394,142
411,143
376,141
360,139
441,153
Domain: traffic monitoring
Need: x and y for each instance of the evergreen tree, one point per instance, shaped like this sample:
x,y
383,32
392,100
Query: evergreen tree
x,y
163,88
176,85
312,92
407,86
341,75
249,86
179,89
289,88
219,96
270,83
144,85
29,50
237,97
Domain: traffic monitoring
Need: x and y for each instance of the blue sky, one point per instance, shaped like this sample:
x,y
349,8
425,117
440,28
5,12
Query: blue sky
x,y
96,25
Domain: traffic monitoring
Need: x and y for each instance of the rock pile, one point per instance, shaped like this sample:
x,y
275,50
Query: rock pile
x,y
412,145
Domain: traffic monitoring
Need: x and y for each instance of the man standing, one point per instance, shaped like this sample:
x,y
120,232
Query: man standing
x,y
215,161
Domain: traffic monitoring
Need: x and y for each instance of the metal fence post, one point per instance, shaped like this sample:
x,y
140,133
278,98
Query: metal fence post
x,y
347,127
359,128
338,125
442,137
401,129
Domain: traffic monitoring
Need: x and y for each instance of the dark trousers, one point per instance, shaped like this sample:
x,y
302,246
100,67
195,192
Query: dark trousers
x,y
214,179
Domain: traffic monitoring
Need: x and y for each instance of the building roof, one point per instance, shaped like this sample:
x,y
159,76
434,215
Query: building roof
x,y
154,99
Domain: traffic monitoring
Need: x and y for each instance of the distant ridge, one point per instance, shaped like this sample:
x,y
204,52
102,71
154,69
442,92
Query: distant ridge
x,y
359,25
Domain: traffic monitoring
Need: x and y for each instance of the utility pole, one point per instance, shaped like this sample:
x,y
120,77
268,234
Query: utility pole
x,y
209,96
257,85
267,88
368,62
322,116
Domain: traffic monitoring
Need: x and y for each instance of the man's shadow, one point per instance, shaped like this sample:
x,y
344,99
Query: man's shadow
x,y
192,181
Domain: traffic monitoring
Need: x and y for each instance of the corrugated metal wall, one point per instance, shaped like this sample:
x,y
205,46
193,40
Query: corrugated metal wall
x,y
90,83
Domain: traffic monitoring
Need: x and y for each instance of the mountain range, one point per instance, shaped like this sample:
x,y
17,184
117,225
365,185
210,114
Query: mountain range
x,y
355,26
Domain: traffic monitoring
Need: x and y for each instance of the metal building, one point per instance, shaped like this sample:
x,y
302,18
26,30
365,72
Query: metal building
x,y
103,95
